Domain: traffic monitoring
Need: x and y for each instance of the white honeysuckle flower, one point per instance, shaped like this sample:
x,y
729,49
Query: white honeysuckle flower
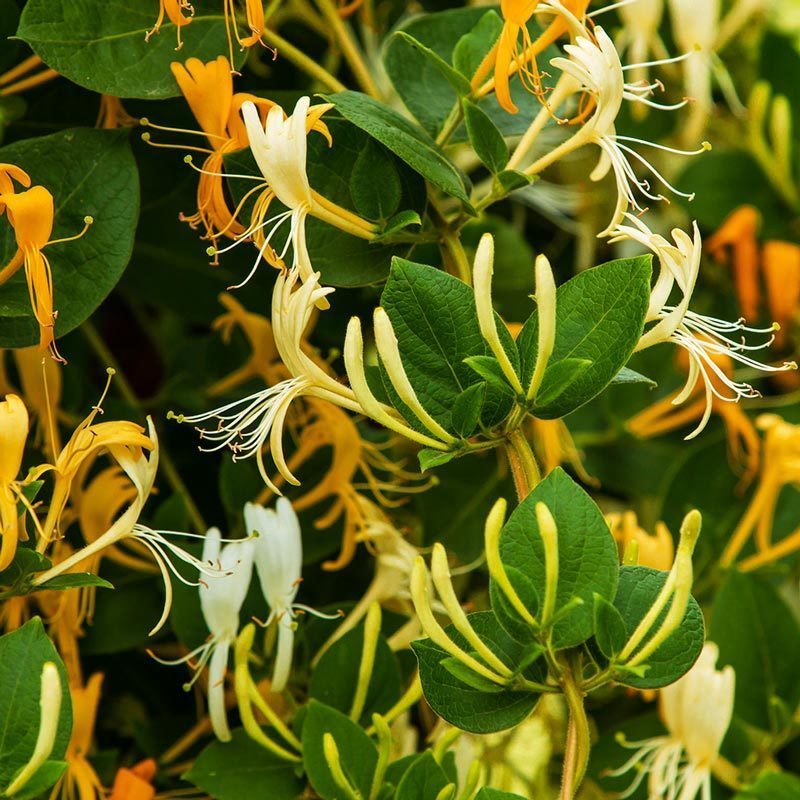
x,y
221,600
279,564
639,36
696,710
244,426
702,337
595,68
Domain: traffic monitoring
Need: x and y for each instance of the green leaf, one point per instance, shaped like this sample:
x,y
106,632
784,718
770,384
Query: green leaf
x,y
488,793
26,563
587,555
488,367
403,138
463,705
429,458
759,636
434,318
456,80
357,753
399,222
609,627
471,48
336,675
558,377
241,768
772,786
636,593
599,317
627,375
102,46
343,260
44,778
23,654
89,173
75,580
422,780
485,138
511,179
467,409
374,183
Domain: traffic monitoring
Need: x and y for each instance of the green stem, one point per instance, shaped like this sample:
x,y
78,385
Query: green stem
x,y
451,243
576,756
166,463
302,61
349,47
451,124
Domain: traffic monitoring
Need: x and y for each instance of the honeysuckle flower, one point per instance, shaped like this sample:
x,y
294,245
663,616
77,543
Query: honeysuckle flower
x,y
11,174
703,338
13,437
112,114
221,600
208,89
80,781
656,550
18,78
781,266
554,447
279,146
696,710
246,425
50,700
639,35
594,67
178,12
31,214
780,467
254,18
136,782
279,564
737,239
664,416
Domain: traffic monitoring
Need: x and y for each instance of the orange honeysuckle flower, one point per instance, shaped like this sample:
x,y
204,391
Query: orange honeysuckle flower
x,y
664,417
112,114
780,262
737,239
13,436
554,446
780,467
79,780
254,15
516,52
178,12
656,550
136,782
10,173
123,440
31,214
347,8
18,78
208,89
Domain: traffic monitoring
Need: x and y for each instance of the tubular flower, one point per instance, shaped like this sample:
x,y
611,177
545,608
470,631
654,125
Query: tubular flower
x,y
594,67
696,711
79,780
245,425
136,782
178,12
279,146
780,467
254,14
663,416
31,214
515,52
703,338
13,436
279,563
640,23
112,114
781,265
554,446
327,426
208,89
737,239
655,550
10,174
221,600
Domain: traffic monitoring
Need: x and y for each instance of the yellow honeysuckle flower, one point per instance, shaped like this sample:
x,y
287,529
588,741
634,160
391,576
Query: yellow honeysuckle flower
x,y
13,437
780,466
664,416
780,262
737,239
136,782
31,213
555,447
79,781
656,550
17,79
178,12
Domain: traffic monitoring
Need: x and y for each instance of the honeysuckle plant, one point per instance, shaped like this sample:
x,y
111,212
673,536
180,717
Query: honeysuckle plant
x,y
473,326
